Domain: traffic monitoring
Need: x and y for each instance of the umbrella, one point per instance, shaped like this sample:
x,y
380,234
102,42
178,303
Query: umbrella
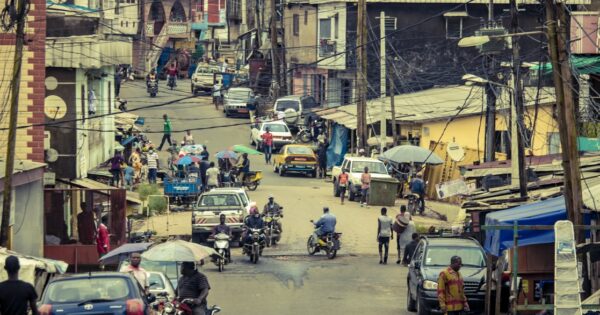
x,y
192,149
178,251
113,256
187,160
226,155
238,148
409,154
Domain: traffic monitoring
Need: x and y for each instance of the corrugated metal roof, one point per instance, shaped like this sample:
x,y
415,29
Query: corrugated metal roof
x,y
432,104
519,2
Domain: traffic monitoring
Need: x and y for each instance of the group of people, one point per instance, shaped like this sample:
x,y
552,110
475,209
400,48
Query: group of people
x,y
406,236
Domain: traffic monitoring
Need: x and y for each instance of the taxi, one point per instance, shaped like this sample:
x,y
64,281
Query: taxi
x,y
295,158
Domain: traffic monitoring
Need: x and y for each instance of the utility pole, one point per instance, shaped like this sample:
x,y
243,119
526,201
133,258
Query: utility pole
x,y
382,78
557,25
275,57
393,105
490,113
5,229
519,174
361,75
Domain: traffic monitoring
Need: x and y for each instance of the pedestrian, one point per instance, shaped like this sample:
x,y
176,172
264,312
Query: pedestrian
x,y
115,168
243,166
204,155
172,74
152,158
118,78
343,184
193,285
86,225
410,249
139,273
384,234
267,144
225,65
16,296
166,132
365,180
216,94
212,176
204,166
135,160
451,289
102,238
252,105
322,156
406,236
129,174
91,101
188,139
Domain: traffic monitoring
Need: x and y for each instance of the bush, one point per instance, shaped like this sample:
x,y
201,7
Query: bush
x,y
158,204
145,190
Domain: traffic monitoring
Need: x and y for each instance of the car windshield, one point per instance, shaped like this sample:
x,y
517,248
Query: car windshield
x,y
440,256
276,128
375,167
205,70
285,104
168,268
238,94
309,102
244,199
86,289
223,200
299,150
156,282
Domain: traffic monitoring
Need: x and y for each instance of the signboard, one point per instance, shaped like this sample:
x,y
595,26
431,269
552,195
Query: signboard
x,y
451,188
455,151
49,179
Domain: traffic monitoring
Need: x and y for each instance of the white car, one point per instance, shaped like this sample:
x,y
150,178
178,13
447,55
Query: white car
x,y
354,167
235,101
281,133
295,110
240,191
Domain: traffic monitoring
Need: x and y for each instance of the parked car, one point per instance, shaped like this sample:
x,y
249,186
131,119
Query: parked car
x,y
296,110
238,190
296,158
355,166
203,78
210,206
168,269
431,256
235,100
94,293
281,133
160,286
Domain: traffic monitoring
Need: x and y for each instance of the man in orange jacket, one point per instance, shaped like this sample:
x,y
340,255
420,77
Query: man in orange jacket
x,y
451,289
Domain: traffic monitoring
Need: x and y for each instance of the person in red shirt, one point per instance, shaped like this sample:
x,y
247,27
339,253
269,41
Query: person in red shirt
x,y
267,144
342,184
102,238
172,73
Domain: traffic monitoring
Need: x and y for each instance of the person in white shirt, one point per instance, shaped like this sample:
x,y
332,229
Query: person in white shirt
x,y
384,234
188,139
212,176
138,272
152,166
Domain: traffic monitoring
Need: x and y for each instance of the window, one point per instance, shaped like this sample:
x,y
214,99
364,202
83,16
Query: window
x,y
325,28
390,24
336,26
454,24
300,150
296,24
305,17
502,141
440,256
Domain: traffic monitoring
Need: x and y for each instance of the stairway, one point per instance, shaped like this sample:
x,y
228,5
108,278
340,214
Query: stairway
x,y
158,44
567,299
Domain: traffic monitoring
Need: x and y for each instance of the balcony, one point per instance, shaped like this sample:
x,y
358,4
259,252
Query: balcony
x,y
90,51
178,29
327,47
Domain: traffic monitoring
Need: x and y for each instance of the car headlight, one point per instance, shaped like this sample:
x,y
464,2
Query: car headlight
x,y
430,285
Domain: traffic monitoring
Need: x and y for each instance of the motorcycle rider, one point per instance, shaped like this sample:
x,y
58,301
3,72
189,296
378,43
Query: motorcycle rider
x,y
151,77
273,208
325,225
253,221
225,229
172,73
417,186
193,285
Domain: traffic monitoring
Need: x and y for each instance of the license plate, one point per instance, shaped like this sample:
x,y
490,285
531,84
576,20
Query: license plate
x,y
300,159
242,110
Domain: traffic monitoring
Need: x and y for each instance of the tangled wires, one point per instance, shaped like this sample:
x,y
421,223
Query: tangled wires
x,y
12,13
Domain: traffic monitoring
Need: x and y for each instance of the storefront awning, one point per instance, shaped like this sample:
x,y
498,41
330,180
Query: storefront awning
x,y
92,184
581,64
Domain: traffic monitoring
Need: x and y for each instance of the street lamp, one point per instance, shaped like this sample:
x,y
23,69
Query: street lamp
x,y
473,41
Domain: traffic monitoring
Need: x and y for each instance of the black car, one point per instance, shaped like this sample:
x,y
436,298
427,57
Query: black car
x,y
431,256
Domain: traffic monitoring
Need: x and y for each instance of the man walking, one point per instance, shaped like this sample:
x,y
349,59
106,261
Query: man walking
x,y
322,156
267,144
16,295
451,289
212,176
102,238
193,285
152,166
365,180
342,184
410,249
405,236
166,132
384,233
138,272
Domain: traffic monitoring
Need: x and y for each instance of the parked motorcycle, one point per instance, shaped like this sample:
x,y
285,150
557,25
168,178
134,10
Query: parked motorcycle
x,y
414,204
184,307
330,243
272,232
303,135
152,87
254,247
171,82
221,245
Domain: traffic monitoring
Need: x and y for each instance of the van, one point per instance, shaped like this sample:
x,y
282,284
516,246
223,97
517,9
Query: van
x,y
295,110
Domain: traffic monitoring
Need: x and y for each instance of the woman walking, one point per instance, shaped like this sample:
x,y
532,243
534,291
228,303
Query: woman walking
x,y
406,236
384,234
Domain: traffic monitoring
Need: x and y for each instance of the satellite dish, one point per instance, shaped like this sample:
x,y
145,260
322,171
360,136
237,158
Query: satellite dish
x,y
455,152
51,155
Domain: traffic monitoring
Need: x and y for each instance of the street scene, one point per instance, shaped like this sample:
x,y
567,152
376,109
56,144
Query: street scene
x,y
195,157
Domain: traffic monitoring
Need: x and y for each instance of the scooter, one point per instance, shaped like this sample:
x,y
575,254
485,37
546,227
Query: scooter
x,y
252,179
254,247
222,247
272,232
152,87
303,135
414,204
184,307
330,243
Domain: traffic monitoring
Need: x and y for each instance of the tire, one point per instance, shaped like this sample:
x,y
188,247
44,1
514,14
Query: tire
x,y
336,189
311,249
227,113
411,208
221,265
331,253
313,174
351,195
281,173
305,137
411,305
421,309
152,94
252,186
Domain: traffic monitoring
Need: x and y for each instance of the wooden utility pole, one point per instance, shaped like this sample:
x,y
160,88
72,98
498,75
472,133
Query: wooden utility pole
x,y
393,105
518,155
361,75
5,229
557,26
275,56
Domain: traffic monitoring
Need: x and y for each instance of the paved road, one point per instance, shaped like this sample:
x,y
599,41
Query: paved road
x,y
286,280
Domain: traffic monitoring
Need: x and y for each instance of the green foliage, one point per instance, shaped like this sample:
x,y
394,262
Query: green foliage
x,y
158,204
145,190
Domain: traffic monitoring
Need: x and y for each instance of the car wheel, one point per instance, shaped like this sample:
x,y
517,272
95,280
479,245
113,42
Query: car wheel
x,y
313,174
336,189
421,308
275,168
227,113
281,172
410,302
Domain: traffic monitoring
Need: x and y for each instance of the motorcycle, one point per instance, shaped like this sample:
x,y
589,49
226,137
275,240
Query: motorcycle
x,y
272,232
414,204
303,135
152,87
122,105
329,242
252,179
254,248
171,82
221,245
184,307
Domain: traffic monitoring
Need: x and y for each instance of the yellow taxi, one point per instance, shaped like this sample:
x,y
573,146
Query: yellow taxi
x,y
295,158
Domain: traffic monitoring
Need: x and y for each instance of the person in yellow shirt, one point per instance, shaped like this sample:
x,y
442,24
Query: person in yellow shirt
x,y
451,289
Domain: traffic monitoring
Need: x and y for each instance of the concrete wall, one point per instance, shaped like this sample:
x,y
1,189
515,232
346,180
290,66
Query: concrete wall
x,y
300,47
28,228
330,10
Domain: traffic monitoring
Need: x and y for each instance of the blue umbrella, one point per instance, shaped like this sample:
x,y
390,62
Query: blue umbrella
x,y
226,155
114,255
187,160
